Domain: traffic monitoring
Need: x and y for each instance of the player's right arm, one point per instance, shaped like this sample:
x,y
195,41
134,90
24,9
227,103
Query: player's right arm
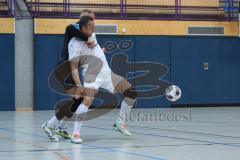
x,y
92,42
76,79
74,48
75,73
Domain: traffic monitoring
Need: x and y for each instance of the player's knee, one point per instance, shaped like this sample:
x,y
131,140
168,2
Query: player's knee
x,y
87,101
130,93
75,104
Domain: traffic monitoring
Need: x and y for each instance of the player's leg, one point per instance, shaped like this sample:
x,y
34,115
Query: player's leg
x,y
66,112
68,109
61,129
81,113
123,87
73,106
51,128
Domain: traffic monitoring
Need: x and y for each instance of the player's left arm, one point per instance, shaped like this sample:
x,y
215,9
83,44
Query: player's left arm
x,y
93,40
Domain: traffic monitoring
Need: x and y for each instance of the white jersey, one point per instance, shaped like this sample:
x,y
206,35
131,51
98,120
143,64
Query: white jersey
x,y
105,78
77,48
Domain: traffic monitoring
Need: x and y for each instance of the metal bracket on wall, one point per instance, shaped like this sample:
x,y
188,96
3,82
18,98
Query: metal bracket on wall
x,y
205,66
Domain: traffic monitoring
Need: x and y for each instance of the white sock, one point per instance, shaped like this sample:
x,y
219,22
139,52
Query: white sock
x,y
79,120
62,124
126,107
53,122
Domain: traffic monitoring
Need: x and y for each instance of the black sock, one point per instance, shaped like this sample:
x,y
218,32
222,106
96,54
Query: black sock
x,y
67,108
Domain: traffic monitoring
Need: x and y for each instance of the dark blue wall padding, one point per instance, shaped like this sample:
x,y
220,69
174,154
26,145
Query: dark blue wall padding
x,y
7,82
217,85
153,49
106,41
184,56
46,49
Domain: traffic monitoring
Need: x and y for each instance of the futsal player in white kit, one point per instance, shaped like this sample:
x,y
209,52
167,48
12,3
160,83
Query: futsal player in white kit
x,y
104,78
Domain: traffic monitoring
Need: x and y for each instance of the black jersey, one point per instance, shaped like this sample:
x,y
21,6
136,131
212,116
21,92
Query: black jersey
x,y
72,30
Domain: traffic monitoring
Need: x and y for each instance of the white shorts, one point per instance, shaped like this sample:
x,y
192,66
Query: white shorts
x,y
106,81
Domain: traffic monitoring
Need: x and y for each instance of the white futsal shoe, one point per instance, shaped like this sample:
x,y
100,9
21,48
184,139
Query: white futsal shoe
x,y
50,133
75,138
121,127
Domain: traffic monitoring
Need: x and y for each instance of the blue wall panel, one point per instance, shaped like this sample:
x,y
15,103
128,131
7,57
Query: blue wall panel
x,y
104,41
153,49
7,82
216,85
228,69
183,55
46,49
117,46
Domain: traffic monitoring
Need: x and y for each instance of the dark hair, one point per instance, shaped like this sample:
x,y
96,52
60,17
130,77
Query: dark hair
x,y
84,21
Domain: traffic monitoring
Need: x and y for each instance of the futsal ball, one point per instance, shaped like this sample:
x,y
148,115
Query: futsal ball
x,y
173,93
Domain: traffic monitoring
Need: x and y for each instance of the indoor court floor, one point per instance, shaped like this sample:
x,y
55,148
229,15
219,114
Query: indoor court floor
x,y
194,134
